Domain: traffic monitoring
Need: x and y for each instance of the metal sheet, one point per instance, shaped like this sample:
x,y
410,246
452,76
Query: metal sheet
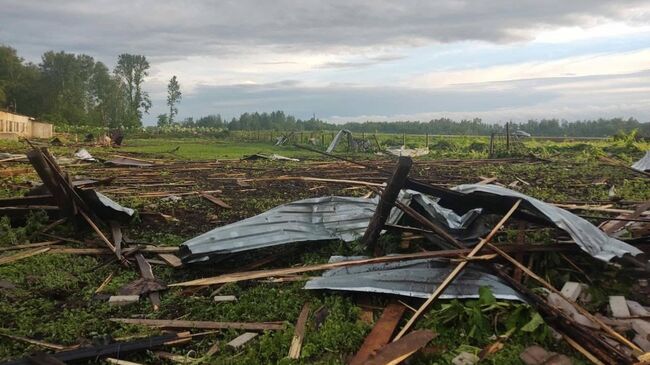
x,y
314,219
337,139
643,164
412,278
590,239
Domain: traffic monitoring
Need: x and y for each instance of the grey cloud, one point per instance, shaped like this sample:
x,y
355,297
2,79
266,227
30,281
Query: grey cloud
x,y
165,29
566,97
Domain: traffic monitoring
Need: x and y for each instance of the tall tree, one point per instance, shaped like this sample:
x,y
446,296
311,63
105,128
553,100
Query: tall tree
x,y
66,80
19,88
132,69
173,98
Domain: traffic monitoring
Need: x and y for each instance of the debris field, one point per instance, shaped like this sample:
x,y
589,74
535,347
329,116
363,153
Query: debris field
x,y
126,258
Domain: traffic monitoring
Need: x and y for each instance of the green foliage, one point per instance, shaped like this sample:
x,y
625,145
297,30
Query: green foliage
x,y
18,235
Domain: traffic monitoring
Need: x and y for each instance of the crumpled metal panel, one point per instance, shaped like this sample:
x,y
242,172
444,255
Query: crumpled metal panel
x,y
412,278
643,164
313,219
590,239
337,139
442,214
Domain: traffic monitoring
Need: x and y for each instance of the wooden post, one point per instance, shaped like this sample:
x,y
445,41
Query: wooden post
x,y
508,136
404,139
491,145
322,139
387,201
427,140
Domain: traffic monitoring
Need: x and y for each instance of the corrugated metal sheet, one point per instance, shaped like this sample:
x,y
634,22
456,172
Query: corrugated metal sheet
x,y
412,278
315,219
590,239
643,164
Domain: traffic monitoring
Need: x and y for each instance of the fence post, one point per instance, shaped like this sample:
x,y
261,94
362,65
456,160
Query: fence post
x,y
508,136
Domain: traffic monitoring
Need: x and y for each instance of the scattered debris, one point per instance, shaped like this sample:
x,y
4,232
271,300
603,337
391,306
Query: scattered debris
x,y
241,340
225,298
465,358
643,164
123,299
272,157
408,152
82,154
128,161
537,355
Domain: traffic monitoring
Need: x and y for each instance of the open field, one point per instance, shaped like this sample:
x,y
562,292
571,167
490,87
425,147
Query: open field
x,y
55,299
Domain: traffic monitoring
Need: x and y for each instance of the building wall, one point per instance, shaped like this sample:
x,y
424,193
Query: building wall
x,y
20,125
42,130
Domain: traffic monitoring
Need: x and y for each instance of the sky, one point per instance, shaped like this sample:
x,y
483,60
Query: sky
x,y
357,60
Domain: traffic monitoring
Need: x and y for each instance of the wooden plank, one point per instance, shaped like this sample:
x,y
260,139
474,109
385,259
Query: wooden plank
x,y
454,273
29,245
397,351
612,226
105,282
299,333
380,334
173,323
22,255
260,274
242,340
111,360
387,201
47,345
216,200
171,259
28,200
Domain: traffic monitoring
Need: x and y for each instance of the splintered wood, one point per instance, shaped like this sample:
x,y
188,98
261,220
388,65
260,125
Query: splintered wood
x,y
299,333
380,334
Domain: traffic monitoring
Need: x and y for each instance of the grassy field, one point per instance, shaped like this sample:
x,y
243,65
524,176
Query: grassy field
x,y
54,297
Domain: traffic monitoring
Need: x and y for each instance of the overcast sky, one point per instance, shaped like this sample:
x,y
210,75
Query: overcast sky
x,y
364,60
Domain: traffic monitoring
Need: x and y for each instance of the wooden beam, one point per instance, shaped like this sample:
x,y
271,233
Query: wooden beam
x,y
215,200
386,202
29,245
299,333
454,273
380,334
22,255
260,274
210,325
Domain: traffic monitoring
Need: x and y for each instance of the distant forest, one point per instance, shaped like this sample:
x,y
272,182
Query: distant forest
x,y
278,120
74,89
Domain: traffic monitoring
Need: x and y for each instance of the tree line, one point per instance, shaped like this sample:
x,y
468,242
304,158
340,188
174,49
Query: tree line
x,y
75,89
279,121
